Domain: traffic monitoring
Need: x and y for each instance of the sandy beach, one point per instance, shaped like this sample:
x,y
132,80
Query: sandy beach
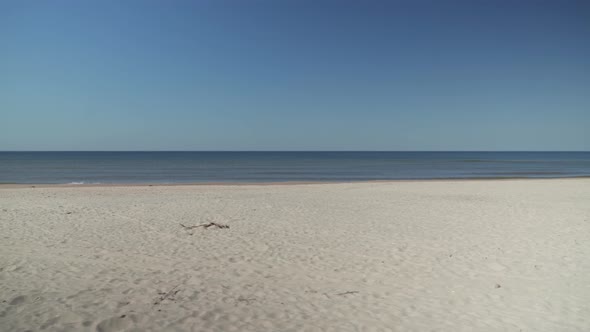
x,y
501,255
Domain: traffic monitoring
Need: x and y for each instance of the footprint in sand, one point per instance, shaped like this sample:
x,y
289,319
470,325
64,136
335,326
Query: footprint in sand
x,y
18,300
114,324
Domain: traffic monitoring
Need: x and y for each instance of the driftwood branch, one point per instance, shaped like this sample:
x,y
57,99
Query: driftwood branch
x,y
347,293
167,295
206,225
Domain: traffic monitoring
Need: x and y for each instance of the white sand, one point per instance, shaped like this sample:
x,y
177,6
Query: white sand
x,y
503,255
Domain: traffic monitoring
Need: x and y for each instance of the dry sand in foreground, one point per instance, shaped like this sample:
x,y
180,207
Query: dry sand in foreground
x,y
474,255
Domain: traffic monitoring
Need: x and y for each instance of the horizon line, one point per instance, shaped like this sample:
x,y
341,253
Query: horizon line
x,y
6,151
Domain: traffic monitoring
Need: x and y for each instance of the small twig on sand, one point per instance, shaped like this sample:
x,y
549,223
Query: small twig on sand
x,y
206,225
347,293
167,295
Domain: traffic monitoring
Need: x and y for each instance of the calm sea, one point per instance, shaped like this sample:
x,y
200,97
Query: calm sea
x,y
187,167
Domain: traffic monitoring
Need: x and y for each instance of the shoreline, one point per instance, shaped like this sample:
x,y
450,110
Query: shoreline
x,y
270,183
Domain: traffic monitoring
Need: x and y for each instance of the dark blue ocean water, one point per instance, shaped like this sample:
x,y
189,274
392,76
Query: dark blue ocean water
x,y
187,167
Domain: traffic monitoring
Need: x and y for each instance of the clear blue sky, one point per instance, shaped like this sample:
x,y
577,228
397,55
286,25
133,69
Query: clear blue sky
x,y
294,75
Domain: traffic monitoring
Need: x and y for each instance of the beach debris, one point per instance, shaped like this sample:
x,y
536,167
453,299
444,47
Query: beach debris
x,y
347,293
498,285
167,295
205,225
